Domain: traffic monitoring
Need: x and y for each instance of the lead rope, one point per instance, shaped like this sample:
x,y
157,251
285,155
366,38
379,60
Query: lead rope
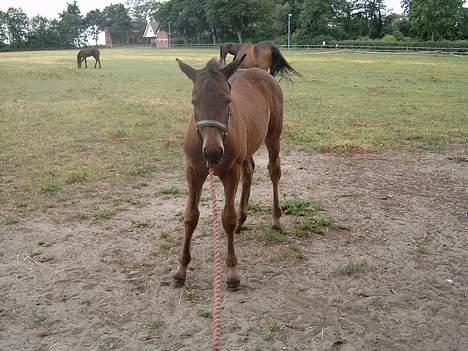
x,y
216,328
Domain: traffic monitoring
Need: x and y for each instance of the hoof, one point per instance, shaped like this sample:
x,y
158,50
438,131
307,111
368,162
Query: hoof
x,y
233,286
239,228
276,226
177,283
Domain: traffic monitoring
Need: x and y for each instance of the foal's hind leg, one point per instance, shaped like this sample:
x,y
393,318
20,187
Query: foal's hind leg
x,y
247,172
274,167
195,182
86,64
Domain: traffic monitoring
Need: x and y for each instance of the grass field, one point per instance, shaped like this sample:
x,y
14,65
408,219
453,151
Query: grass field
x,y
92,133
372,252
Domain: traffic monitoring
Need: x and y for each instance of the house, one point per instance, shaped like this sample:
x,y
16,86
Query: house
x,y
157,37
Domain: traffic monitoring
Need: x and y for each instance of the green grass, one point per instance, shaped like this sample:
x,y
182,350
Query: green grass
x,y
204,313
172,190
102,214
423,249
300,207
318,224
10,220
156,324
103,130
353,268
273,236
257,206
77,177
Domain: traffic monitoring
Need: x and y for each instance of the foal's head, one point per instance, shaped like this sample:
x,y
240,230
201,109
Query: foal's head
x,y
211,99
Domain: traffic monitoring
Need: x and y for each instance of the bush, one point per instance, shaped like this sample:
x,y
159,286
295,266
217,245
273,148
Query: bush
x,y
389,38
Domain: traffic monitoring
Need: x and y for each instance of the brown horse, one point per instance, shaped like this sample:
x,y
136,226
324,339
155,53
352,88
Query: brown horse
x,y
87,52
228,48
234,113
267,56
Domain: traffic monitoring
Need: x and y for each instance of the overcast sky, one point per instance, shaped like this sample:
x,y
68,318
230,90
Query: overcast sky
x,y
50,8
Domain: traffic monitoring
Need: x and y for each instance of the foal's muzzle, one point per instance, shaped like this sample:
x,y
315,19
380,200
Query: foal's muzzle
x,y
213,155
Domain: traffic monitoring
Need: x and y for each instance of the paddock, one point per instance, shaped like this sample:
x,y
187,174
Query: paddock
x,y
373,254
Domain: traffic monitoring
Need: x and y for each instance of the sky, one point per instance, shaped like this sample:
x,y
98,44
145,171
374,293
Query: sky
x,y
50,8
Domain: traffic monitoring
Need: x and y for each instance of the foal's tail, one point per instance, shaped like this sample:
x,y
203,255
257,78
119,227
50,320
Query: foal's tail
x,y
280,66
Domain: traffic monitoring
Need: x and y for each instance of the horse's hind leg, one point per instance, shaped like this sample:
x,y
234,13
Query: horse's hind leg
x,y
97,61
86,64
230,183
247,173
274,167
195,182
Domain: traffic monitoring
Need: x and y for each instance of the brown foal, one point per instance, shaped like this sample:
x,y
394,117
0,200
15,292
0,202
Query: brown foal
x,y
234,113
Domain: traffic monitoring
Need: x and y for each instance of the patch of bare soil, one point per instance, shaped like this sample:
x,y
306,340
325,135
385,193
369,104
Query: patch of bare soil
x,y
392,275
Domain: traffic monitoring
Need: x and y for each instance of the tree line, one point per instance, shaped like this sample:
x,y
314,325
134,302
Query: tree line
x,y
217,21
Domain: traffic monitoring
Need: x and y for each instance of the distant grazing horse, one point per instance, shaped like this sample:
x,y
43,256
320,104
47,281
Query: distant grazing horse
x,y
234,113
84,53
267,56
228,48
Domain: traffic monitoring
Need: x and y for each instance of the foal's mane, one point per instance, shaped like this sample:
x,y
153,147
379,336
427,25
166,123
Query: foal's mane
x,y
213,68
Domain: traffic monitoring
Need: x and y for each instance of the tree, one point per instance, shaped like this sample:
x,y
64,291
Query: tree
x,y
436,19
240,17
396,25
464,24
42,33
71,26
315,19
16,26
3,28
406,6
142,11
117,18
369,14
93,22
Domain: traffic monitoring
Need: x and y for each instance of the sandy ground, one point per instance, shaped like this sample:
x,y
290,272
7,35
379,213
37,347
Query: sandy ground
x,y
104,286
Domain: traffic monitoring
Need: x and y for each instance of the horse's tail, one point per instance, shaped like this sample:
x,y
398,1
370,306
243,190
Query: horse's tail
x,y
280,66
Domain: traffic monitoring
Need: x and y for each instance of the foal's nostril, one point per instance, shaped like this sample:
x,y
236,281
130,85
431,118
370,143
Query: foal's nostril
x,y
214,155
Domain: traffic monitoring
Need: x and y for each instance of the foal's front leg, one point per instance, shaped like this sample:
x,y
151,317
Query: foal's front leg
x,y
230,183
195,182
247,173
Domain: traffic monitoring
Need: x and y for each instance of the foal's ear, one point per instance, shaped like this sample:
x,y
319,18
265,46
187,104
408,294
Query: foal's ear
x,y
230,69
188,70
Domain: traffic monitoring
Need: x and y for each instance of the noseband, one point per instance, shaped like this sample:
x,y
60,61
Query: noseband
x,y
215,124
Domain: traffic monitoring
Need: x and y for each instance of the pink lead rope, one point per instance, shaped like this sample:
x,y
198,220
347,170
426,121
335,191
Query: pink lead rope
x,y
217,298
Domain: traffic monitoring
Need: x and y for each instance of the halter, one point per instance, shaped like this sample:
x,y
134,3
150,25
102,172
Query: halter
x,y
215,124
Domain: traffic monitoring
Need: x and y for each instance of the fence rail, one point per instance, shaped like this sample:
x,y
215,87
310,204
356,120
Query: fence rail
x,y
378,48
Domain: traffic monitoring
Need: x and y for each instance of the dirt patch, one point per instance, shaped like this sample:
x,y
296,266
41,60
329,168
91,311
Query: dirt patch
x,y
346,149
391,275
